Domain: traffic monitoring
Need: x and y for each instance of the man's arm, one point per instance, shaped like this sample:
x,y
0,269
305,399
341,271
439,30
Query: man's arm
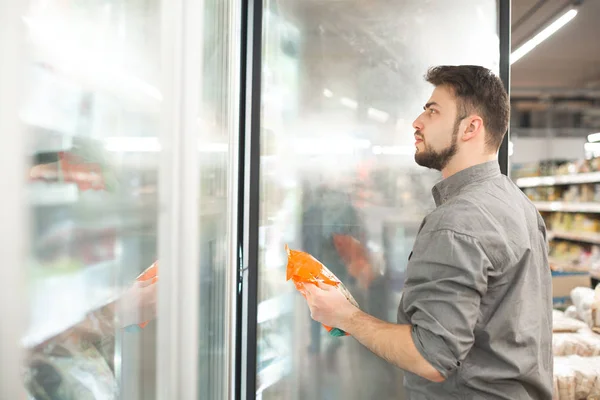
x,y
392,342
447,276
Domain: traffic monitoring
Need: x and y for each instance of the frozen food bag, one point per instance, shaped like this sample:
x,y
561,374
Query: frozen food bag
x,y
303,268
148,277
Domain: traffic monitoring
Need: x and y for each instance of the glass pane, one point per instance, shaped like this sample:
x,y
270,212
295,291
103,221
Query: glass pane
x,y
218,125
91,109
342,83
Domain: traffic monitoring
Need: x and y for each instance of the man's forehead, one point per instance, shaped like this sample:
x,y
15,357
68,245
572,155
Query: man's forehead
x,y
441,96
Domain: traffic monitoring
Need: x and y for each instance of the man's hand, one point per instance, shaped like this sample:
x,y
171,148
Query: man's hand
x,y
391,342
328,305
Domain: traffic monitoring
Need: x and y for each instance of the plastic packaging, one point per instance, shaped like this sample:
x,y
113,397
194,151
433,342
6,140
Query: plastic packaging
x,y
583,298
562,323
577,378
583,343
303,268
596,310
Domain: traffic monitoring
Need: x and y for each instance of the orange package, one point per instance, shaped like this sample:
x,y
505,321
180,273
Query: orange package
x,y
303,268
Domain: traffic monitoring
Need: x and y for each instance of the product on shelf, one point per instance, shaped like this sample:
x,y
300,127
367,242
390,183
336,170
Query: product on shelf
x,y
303,268
555,167
583,298
562,324
584,343
595,310
580,193
576,378
572,256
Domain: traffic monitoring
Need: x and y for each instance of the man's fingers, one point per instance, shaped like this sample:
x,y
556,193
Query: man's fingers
x,y
324,286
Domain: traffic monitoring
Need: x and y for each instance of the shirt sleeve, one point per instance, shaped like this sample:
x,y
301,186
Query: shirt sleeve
x,y
446,279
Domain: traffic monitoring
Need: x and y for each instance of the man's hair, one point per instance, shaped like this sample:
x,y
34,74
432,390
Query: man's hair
x,y
477,90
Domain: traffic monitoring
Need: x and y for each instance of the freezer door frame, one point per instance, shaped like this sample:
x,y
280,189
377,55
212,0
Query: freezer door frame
x,y
179,194
13,210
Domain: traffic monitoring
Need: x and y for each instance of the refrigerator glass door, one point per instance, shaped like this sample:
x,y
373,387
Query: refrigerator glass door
x,y
342,82
91,112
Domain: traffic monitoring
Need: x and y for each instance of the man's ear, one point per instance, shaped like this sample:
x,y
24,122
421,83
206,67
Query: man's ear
x,y
474,127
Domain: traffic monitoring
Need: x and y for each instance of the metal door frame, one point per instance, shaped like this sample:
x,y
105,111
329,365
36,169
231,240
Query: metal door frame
x,y
179,195
504,34
250,132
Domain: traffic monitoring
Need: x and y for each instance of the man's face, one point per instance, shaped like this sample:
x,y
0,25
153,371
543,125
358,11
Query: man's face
x,y
436,130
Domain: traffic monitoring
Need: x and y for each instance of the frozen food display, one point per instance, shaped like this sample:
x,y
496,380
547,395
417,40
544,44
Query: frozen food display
x,y
90,104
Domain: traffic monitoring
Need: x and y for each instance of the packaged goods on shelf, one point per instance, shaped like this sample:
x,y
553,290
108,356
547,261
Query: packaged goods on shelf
x,y
595,309
576,378
584,343
572,256
573,222
564,324
581,193
583,298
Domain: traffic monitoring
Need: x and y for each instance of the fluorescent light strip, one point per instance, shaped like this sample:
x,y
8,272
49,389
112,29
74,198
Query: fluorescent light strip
x,y
594,137
152,145
394,150
132,144
543,35
378,115
349,103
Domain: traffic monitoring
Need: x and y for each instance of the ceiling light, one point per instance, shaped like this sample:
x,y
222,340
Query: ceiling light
x,y
132,144
594,137
543,35
349,103
327,93
378,115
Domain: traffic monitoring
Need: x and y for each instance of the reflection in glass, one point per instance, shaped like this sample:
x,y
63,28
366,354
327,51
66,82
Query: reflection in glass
x,y
91,110
342,82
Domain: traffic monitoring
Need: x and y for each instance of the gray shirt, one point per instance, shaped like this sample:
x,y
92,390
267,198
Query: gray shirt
x,y
478,292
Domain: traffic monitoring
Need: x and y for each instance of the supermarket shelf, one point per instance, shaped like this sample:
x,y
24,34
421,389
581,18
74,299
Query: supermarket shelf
x,y
567,267
537,181
274,307
567,206
272,374
593,238
60,302
570,273
45,194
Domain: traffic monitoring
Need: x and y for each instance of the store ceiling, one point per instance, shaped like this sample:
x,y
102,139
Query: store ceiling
x,y
568,59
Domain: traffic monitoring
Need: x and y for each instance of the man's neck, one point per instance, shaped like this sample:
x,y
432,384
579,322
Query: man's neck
x,y
458,164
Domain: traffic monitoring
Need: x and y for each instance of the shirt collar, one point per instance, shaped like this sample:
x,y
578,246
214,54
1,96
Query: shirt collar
x,y
451,186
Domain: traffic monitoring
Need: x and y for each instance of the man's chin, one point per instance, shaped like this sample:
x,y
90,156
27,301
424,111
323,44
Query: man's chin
x,y
424,161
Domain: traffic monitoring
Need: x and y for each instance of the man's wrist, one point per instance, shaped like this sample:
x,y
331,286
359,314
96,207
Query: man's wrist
x,y
349,320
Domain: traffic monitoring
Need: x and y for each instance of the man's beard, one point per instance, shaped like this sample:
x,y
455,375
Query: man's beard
x,y
438,160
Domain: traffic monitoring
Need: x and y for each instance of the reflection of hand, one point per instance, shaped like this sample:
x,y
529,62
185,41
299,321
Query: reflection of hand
x,y
138,303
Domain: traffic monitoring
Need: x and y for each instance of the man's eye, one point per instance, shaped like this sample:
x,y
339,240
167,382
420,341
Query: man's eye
x,y
432,111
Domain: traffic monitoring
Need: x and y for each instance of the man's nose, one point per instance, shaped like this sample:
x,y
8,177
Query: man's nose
x,y
417,124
